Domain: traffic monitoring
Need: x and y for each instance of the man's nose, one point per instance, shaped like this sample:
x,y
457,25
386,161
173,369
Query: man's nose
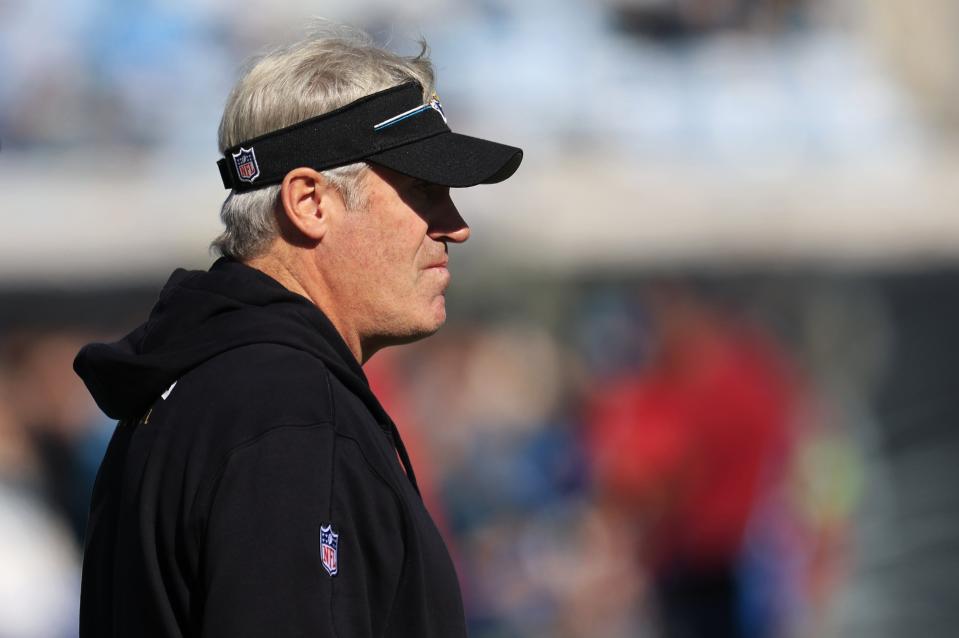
x,y
449,225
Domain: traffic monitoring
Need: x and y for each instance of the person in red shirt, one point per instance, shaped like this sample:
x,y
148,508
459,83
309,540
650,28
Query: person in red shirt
x,y
688,446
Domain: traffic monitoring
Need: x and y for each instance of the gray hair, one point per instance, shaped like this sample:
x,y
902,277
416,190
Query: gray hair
x,y
329,69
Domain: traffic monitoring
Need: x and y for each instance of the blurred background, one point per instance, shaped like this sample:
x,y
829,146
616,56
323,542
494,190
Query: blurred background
x,y
700,372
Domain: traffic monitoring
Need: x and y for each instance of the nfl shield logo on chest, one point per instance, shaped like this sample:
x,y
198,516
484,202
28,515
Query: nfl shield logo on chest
x,y
246,167
329,541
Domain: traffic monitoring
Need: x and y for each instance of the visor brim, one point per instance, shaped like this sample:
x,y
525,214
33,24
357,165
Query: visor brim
x,y
452,159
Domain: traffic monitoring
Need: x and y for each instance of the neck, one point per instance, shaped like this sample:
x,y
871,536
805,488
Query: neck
x,y
298,273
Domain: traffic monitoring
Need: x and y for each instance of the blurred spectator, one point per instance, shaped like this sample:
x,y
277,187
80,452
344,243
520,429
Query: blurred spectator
x,y
39,563
66,433
512,481
689,446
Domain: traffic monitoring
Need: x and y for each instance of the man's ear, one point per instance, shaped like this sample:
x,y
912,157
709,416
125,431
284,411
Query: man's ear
x,y
308,201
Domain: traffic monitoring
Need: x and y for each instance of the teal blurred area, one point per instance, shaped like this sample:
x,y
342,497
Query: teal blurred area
x,y
699,373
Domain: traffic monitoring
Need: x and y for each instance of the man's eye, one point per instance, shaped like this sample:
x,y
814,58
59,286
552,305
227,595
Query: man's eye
x,y
427,191
423,190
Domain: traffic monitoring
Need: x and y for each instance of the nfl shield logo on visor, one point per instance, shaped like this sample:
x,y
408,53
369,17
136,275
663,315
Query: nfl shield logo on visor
x,y
329,541
246,168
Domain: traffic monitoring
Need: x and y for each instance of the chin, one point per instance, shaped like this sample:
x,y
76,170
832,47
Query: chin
x,y
432,320
418,326
439,313
430,325
431,315
423,327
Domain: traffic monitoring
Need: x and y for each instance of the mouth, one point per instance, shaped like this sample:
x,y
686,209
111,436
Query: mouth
x,y
443,263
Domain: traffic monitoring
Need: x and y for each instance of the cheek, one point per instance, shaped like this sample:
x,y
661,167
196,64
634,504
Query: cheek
x,y
386,249
400,251
383,267
369,249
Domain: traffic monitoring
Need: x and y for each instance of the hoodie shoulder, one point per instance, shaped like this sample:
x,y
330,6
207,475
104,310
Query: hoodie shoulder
x,y
209,319
262,385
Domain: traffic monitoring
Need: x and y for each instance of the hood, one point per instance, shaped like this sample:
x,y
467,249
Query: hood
x,y
201,314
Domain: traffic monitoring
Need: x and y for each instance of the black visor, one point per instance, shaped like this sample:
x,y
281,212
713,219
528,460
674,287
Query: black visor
x,y
393,128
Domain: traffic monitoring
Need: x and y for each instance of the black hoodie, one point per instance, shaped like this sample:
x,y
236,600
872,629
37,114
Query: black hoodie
x,y
253,485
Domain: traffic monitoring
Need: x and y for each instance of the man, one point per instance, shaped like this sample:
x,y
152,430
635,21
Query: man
x,y
254,485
